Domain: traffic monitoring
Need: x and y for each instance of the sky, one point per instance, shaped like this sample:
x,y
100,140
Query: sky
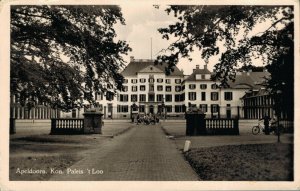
x,y
142,22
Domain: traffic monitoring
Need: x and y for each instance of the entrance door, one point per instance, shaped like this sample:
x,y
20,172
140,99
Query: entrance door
x,y
228,111
110,110
151,109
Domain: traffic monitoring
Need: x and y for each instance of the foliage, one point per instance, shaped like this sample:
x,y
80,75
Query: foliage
x,y
208,28
62,55
231,33
281,83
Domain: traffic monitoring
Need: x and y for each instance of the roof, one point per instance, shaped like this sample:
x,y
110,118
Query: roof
x,y
243,80
249,80
196,71
137,66
260,92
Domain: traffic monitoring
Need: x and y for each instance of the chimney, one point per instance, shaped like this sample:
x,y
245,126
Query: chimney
x,y
205,66
197,66
131,58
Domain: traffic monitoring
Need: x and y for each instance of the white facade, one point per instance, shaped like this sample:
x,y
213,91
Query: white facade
x,y
147,87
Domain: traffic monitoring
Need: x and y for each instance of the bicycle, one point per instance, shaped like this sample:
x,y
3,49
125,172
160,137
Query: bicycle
x,y
258,128
273,128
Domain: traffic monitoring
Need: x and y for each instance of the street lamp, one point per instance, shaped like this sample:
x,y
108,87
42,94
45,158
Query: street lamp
x,y
278,94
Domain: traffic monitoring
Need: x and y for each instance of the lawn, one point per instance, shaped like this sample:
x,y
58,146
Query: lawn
x,y
254,162
46,152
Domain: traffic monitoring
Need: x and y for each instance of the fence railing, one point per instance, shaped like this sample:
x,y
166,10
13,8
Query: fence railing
x,y
67,126
222,126
288,125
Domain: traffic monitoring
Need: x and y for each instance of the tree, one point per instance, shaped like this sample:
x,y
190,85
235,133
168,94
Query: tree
x,y
62,55
207,28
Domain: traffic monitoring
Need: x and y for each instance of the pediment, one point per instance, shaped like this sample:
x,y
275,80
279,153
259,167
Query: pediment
x,y
151,69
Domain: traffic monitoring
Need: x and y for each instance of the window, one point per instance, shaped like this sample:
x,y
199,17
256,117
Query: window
x,y
183,87
142,80
203,86
168,81
98,96
133,97
228,96
151,88
134,107
134,81
134,88
168,108
142,108
109,107
159,97
183,97
124,97
177,88
109,96
142,88
125,81
168,88
178,109
160,80
214,108
151,80
192,86
214,86
214,96
177,97
122,108
125,89
142,97
192,96
151,97
203,76
168,97
203,96
177,81
159,88
203,107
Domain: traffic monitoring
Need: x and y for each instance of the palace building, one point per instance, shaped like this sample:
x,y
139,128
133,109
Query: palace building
x,y
147,89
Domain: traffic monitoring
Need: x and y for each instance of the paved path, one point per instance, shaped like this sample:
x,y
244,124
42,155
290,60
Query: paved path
x,y
142,153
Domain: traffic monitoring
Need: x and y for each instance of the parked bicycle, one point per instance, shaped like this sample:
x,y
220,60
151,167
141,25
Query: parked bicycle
x,y
261,128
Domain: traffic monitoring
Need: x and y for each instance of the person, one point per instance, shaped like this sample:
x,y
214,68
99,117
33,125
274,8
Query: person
x,y
146,119
137,118
266,119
